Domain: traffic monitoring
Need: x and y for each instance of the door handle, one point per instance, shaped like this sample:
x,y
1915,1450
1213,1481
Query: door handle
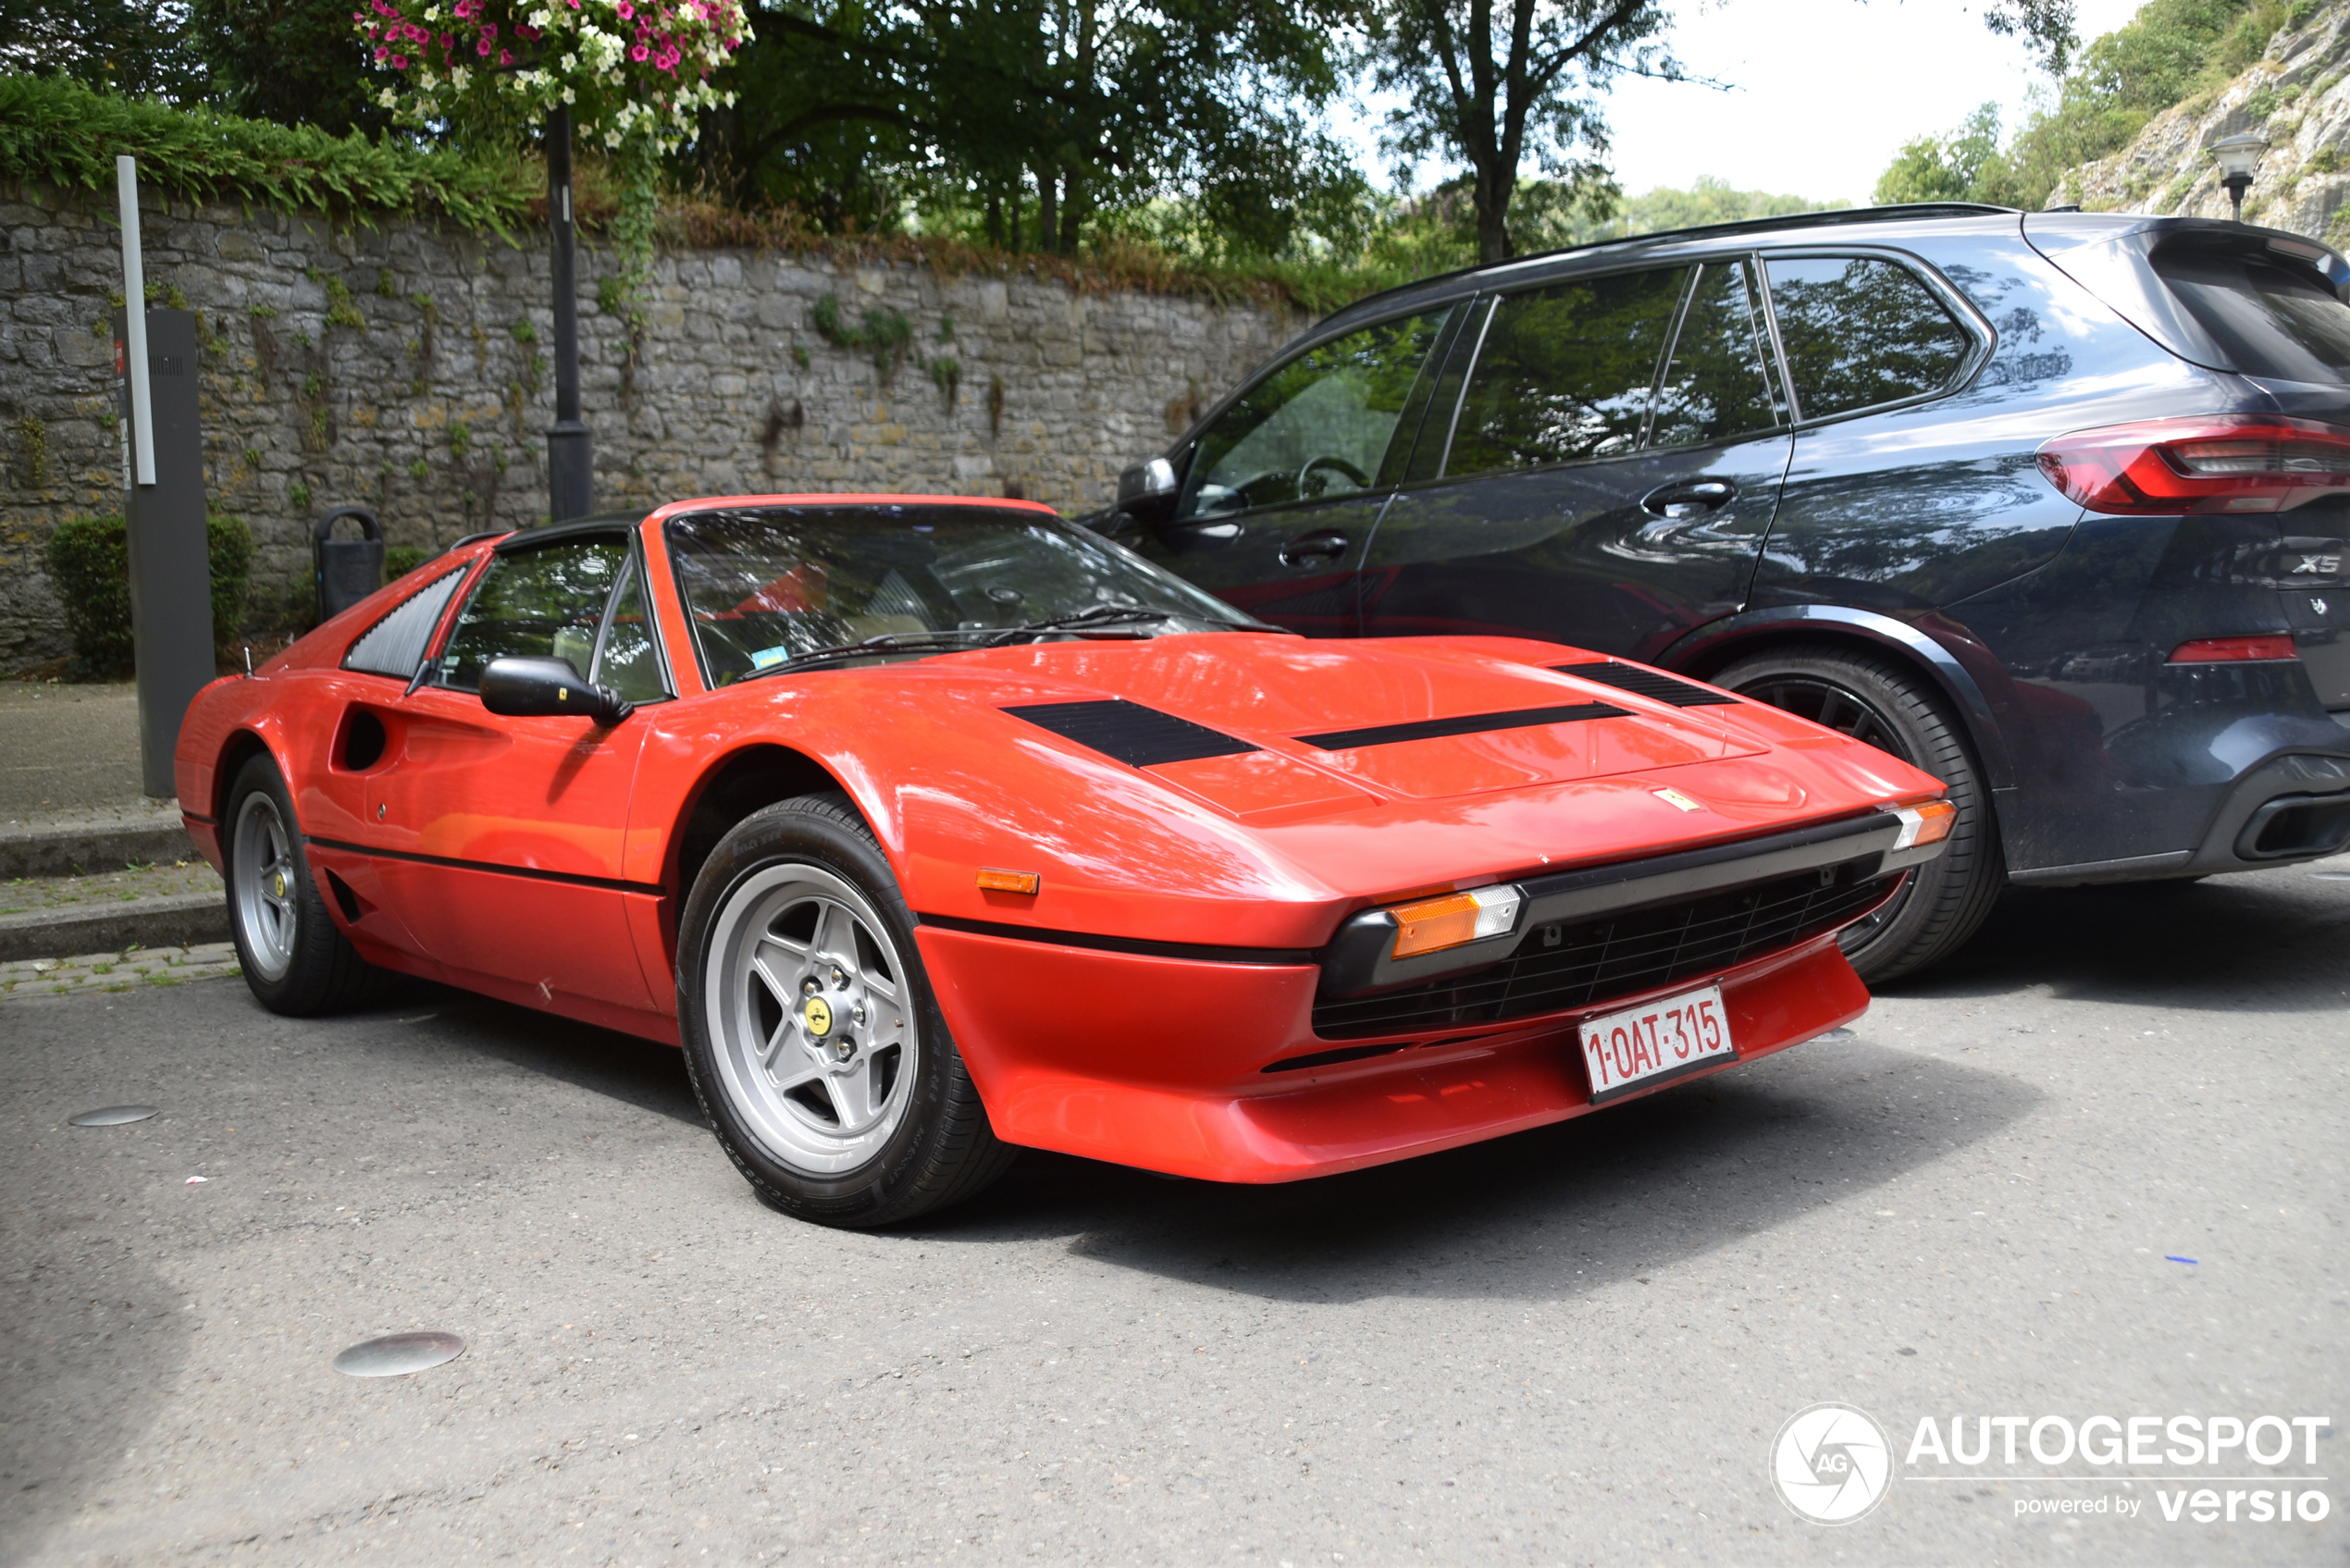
x,y
1679,502
1313,547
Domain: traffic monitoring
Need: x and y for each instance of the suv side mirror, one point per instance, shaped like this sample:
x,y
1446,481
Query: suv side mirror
x,y
542,688
1146,491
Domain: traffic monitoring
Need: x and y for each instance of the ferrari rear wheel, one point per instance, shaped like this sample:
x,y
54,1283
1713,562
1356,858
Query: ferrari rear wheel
x,y
811,1036
1877,701
295,959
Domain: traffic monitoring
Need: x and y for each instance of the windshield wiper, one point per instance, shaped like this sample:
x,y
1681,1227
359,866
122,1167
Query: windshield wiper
x,y
1123,614
888,642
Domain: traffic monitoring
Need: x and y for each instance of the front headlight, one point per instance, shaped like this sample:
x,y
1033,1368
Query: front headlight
x,y
1433,924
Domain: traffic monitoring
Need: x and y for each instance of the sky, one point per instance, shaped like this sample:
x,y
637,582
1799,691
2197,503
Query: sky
x,y
1823,92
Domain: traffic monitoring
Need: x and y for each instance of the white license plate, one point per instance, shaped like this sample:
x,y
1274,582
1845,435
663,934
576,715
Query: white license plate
x,y
1642,1046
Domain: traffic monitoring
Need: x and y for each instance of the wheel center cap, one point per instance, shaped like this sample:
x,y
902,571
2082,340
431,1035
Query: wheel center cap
x,y
818,1016
277,884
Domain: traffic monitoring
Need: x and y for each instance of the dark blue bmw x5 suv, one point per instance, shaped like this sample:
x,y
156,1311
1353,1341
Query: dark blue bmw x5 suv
x,y
2054,505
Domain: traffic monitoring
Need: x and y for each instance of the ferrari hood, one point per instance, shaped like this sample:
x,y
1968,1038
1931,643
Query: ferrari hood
x,y
1287,726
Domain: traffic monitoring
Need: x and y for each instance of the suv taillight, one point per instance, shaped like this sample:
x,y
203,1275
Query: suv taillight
x,y
2261,463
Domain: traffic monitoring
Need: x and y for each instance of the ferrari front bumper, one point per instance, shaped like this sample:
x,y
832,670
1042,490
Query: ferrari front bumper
x,y
1200,1068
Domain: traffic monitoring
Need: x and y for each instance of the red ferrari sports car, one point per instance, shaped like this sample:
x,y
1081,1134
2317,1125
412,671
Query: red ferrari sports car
x,y
934,827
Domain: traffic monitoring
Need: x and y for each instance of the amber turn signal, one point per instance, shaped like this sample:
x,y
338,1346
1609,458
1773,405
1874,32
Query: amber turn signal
x,y
1433,924
993,881
1923,821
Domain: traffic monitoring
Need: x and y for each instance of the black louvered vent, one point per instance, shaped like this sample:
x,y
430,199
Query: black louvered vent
x,y
1136,736
1467,724
1573,966
1640,681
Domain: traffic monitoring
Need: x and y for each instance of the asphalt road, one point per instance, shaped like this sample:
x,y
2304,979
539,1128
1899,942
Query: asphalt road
x,y
1577,1345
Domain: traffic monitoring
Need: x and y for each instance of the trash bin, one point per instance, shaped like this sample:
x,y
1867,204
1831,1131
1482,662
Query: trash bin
x,y
347,570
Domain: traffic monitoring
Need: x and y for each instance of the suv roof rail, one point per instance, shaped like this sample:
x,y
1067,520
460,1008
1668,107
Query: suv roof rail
x,y
1743,225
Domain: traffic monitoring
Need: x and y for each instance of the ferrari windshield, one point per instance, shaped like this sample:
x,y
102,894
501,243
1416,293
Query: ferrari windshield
x,y
770,587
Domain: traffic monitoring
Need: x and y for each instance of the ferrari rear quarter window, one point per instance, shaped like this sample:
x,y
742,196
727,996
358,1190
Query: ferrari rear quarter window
x,y
394,645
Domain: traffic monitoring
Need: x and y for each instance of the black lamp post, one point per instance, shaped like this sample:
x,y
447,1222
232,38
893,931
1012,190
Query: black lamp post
x,y
571,453
2239,156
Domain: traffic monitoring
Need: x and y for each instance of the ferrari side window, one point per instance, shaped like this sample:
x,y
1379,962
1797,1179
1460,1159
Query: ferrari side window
x,y
1317,428
628,662
534,602
395,645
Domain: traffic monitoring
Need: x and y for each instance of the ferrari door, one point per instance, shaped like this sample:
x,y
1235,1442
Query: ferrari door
x,y
501,837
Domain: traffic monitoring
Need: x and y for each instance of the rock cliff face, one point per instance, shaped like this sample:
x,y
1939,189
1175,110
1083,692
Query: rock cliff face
x,y
2298,95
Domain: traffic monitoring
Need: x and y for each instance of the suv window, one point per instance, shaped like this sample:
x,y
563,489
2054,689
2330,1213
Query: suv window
x,y
1564,373
1719,382
1317,428
1858,331
2269,319
537,602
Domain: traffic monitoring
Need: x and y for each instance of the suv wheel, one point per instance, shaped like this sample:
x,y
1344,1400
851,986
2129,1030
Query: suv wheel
x,y
1878,701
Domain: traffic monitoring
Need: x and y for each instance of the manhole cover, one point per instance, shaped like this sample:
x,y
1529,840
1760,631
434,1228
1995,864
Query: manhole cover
x,y
395,1355
112,1115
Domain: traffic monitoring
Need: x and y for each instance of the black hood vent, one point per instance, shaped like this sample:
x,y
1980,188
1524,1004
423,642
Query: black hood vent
x,y
1467,724
1136,736
1640,681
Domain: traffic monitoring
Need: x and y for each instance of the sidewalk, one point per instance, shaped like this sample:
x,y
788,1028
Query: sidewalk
x,y
88,864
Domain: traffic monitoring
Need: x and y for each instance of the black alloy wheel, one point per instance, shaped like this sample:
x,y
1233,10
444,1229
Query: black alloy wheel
x,y
1877,701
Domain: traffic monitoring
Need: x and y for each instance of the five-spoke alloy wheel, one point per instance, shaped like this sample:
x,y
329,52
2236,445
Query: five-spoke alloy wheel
x,y
810,1032
296,960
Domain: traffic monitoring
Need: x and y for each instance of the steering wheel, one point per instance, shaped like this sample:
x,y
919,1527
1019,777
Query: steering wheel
x,y
1362,480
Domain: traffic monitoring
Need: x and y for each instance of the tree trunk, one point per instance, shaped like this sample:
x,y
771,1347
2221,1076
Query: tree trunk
x,y
996,221
1494,188
1048,209
1072,219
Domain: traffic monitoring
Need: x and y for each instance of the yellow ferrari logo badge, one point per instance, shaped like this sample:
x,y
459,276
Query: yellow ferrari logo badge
x,y
1674,797
279,885
819,1016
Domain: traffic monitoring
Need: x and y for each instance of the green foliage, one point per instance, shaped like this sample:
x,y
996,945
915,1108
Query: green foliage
x,y
1943,169
133,47
523,331
297,62
886,335
400,560
948,375
342,309
2172,51
59,133
32,453
89,563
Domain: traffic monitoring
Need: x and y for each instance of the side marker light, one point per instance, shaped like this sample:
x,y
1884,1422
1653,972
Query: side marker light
x,y
1008,882
1923,821
1434,924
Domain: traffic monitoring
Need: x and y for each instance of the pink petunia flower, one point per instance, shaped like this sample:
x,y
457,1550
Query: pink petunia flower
x,y
638,52
399,62
505,57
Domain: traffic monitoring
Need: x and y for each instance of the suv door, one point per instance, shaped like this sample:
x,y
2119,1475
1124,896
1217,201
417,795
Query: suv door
x,y
1280,494
1609,475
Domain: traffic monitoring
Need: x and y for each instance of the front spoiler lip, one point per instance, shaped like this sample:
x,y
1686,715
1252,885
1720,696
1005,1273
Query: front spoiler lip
x,y
1358,961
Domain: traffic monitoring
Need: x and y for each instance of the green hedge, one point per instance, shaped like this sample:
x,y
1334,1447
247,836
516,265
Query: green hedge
x,y
89,560
59,133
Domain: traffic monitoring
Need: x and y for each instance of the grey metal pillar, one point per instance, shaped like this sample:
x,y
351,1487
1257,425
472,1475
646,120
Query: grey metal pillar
x,y
170,558
571,454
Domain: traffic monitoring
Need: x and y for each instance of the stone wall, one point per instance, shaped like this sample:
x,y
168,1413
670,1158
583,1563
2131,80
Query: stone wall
x,y
405,367
2297,95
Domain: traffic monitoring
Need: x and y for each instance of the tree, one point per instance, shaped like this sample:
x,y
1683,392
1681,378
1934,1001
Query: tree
x,y
1499,83
1944,168
293,61
134,47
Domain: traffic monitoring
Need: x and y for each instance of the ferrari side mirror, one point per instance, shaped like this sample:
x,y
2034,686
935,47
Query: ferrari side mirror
x,y
1146,491
541,688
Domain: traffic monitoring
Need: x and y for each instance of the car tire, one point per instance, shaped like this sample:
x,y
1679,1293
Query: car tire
x,y
296,960
1879,701
813,1037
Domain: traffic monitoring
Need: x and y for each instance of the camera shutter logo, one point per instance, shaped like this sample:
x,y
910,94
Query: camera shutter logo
x,y
1832,1463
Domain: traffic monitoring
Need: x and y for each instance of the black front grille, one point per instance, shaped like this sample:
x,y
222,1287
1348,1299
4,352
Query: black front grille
x,y
1572,966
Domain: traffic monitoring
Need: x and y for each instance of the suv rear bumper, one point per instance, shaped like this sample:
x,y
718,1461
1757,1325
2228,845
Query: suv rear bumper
x,y
2291,808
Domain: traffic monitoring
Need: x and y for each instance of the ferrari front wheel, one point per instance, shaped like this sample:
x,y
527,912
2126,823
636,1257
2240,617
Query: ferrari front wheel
x,y
811,1035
